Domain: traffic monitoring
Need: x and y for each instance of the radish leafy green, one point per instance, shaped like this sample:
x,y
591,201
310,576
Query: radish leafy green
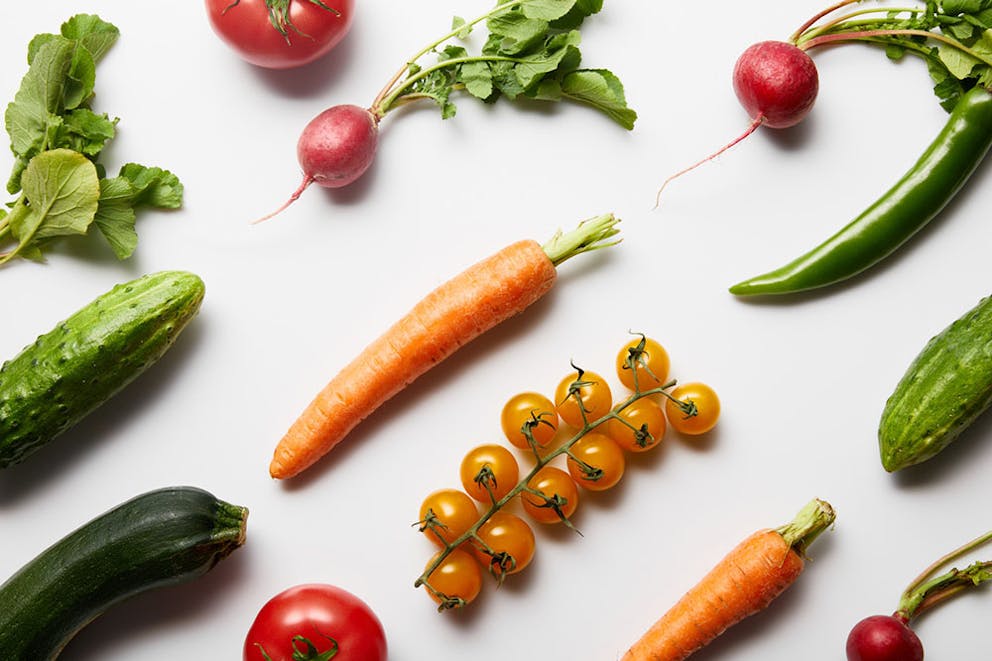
x,y
56,138
531,51
953,37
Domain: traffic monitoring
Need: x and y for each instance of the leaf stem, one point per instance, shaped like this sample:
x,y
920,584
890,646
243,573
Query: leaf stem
x,y
829,10
870,34
812,32
379,107
382,106
927,590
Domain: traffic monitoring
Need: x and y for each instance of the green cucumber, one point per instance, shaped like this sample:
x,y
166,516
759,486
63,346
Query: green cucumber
x,y
947,386
89,357
160,538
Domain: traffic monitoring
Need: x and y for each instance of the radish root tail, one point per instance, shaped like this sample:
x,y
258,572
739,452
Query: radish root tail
x,y
307,180
750,129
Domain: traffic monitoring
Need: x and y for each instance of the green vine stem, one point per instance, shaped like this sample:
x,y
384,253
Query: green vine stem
x,y
540,461
929,589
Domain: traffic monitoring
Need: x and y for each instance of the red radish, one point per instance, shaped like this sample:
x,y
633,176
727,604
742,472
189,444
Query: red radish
x,y
883,638
335,149
777,84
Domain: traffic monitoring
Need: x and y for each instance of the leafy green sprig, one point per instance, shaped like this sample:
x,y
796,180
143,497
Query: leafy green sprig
x,y
500,563
953,37
56,139
531,51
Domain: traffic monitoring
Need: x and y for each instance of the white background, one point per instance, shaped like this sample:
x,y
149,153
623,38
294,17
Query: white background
x,y
289,302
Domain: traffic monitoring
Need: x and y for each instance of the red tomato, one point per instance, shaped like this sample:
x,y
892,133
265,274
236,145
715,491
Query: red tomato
x,y
318,616
310,30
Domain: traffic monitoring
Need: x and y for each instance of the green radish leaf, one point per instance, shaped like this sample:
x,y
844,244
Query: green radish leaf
x,y
602,90
95,34
546,10
115,215
63,190
84,131
478,79
37,102
530,48
461,25
518,33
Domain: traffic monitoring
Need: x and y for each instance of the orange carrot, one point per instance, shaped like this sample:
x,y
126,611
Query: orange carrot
x,y
461,309
746,581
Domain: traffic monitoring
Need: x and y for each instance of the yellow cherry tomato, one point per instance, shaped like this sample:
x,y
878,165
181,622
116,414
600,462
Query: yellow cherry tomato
x,y
695,410
641,426
446,515
646,359
583,393
510,543
533,410
596,462
558,495
489,472
458,578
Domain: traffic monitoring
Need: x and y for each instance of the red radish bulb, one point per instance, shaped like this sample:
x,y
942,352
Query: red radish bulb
x,y
338,145
883,638
335,149
776,82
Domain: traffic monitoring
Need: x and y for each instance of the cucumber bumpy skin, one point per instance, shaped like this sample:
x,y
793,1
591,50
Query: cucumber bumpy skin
x,y
52,384
947,386
163,537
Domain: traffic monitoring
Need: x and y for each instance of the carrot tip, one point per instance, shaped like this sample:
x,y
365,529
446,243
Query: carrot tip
x,y
307,180
752,127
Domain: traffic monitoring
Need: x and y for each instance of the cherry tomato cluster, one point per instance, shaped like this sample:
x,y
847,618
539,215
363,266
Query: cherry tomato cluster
x,y
598,435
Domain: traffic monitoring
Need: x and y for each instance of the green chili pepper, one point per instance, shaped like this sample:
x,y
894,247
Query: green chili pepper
x,y
902,211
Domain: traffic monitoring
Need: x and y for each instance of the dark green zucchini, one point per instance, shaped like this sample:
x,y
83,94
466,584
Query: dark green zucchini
x,y
89,357
160,538
946,387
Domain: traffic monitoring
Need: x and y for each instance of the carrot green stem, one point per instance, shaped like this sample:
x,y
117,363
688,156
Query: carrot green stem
x,y
591,234
811,520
